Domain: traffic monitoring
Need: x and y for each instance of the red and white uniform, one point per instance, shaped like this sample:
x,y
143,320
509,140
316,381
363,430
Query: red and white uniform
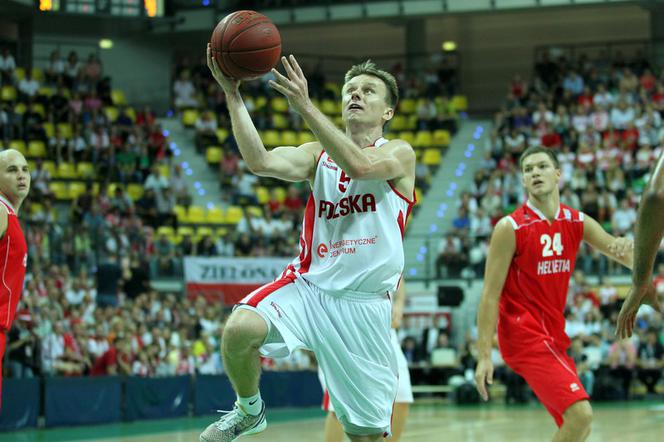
x,y
334,299
13,261
531,323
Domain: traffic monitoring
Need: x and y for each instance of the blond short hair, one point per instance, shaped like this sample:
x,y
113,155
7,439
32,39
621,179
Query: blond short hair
x,y
370,68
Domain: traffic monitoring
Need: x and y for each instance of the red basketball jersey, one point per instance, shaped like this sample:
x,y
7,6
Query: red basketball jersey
x,y
13,261
533,300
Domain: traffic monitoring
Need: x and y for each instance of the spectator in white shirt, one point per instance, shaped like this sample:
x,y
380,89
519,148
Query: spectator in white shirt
x,y
206,131
56,68
602,97
7,66
621,115
480,223
623,219
28,87
155,181
184,92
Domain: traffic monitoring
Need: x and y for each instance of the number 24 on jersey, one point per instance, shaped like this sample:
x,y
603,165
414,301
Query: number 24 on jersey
x,y
551,245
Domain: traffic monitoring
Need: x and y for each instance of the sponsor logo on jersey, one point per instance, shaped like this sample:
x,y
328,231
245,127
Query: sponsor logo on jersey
x,y
574,387
347,206
322,250
276,307
553,266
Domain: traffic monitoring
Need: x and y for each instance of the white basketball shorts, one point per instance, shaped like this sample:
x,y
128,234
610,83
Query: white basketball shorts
x,y
404,388
348,332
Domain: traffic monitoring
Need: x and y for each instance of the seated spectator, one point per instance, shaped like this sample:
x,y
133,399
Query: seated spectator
x,y
622,360
206,131
7,67
623,219
40,179
184,91
650,361
28,86
117,360
293,201
244,188
55,69
72,73
91,73
179,187
451,258
164,257
155,181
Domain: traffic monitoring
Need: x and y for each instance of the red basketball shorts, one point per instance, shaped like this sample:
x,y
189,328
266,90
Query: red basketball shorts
x,y
552,376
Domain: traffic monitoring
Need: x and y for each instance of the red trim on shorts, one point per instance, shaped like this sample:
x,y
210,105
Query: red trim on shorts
x,y
402,224
270,288
307,237
326,400
394,189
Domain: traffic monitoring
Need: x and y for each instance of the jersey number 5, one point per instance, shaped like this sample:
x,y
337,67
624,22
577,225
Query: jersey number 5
x,y
343,180
551,245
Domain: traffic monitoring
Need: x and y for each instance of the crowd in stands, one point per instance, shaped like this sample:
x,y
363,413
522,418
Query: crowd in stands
x,y
604,120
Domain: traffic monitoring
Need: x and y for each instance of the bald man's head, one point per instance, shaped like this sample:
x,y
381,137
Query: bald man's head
x,y
14,176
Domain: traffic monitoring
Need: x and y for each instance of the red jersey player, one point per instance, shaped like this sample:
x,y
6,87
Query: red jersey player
x,y
14,187
531,258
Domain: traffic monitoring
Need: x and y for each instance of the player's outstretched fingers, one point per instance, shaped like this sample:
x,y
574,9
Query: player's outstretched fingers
x,y
480,384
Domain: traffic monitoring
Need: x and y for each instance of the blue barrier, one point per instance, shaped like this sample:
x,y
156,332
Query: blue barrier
x,y
78,401
156,398
212,393
20,403
291,389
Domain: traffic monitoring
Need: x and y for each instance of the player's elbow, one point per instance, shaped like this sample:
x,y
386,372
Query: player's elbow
x,y
358,171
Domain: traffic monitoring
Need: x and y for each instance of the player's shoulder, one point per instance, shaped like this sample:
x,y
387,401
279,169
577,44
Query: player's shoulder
x,y
517,218
570,214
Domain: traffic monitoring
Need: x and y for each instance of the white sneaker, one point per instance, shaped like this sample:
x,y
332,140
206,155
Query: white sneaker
x,y
234,424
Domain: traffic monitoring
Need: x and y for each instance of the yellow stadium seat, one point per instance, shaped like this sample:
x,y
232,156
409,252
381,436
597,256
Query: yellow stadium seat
x,y
397,123
185,230
330,107
76,188
339,122
418,195
255,211
215,215
39,109
19,72
260,102
234,214
459,103
66,171
423,138
111,113
222,134
279,121
135,191
50,167
289,138
204,231
305,137
59,190
111,188
118,97
181,213
131,113
49,129
441,138
271,138
8,93
407,137
38,74
196,214
85,170
31,165
45,91
407,106
411,123
333,87
164,170
262,195
65,130
431,157
165,230
280,194
279,104
221,232
18,145
36,149
20,108
214,154
36,208
189,117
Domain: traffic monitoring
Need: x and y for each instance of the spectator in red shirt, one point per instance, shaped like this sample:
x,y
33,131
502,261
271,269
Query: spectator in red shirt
x,y
293,201
116,360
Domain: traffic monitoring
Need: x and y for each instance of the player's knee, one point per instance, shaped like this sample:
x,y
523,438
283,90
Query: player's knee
x,y
244,329
581,413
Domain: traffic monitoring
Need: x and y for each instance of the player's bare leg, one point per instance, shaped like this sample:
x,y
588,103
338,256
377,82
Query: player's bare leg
x,y
400,415
244,333
372,438
334,432
577,420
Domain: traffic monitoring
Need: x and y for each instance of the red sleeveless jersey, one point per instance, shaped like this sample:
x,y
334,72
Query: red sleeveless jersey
x,y
13,261
533,300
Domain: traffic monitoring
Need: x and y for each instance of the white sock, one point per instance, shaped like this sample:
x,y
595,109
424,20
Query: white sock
x,y
251,405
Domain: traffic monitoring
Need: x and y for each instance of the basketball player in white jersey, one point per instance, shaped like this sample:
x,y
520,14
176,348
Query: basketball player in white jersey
x,y
333,430
334,299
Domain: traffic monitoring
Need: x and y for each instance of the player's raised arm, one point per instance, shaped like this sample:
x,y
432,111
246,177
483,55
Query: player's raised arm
x,y
618,249
501,250
288,163
649,232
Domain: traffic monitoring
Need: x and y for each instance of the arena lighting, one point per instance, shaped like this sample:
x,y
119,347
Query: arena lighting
x,y
106,43
449,46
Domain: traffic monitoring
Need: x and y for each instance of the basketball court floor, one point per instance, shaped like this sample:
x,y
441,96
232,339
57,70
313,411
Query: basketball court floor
x,y
619,422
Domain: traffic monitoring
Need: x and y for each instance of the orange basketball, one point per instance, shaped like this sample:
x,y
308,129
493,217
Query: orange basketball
x,y
246,45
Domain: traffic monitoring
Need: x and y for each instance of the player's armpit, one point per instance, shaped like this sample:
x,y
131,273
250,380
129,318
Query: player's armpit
x,y
290,163
618,249
395,159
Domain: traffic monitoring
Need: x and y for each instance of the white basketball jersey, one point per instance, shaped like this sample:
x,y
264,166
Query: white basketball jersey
x,y
352,232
